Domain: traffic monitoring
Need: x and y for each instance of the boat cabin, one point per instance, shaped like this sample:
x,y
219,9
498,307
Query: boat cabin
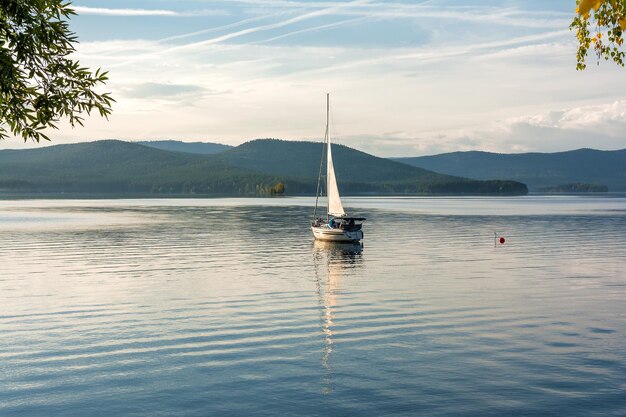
x,y
343,223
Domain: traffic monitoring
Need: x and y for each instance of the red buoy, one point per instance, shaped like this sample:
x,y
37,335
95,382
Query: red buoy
x,y
502,240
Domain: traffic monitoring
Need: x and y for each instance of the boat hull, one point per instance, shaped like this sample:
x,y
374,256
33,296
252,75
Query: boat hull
x,y
336,235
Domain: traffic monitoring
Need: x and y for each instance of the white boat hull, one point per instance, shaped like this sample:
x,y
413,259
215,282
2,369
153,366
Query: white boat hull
x,y
336,235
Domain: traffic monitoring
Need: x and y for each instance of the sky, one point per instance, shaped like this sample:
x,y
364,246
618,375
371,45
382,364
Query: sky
x,y
406,78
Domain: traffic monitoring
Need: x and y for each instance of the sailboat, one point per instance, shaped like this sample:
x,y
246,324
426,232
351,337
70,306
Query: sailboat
x,y
338,227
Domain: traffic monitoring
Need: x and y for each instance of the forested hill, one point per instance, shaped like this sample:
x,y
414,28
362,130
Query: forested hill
x,y
255,168
357,172
112,166
537,170
302,159
203,148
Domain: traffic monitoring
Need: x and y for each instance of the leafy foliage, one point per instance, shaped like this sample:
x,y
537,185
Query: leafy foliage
x,y
39,82
607,20
278,189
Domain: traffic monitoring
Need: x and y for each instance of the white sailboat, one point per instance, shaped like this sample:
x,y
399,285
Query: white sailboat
x,y
338,227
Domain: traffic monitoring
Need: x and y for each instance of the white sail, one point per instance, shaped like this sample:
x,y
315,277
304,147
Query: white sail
x,y
335,208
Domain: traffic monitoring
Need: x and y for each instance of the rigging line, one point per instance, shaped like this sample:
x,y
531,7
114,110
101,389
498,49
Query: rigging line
x,y
319,175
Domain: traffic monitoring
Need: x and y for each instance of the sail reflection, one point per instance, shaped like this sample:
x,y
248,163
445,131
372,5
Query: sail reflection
x,y
331,260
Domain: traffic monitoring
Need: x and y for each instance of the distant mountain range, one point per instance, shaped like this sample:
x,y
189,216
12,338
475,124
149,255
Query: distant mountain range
x,y
202,148
582,169
253,168
112,166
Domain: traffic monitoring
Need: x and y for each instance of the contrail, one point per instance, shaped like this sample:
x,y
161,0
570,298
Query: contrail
x,y
243,32
313,29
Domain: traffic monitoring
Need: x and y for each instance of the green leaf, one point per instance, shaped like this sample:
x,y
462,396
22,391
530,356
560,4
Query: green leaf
x,y
39,81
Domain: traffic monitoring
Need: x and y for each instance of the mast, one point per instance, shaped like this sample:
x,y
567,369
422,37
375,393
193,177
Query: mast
x,y
319,175
327,140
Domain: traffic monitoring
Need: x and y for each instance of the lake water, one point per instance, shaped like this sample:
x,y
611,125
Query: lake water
x,y
226,307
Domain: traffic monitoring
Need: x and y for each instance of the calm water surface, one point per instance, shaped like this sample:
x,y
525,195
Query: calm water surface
x,y
226,307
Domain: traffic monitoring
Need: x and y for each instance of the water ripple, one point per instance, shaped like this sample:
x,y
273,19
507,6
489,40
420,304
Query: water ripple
x,y
226,307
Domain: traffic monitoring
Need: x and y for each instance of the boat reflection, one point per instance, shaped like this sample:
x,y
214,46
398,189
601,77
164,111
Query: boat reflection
x,y
332,260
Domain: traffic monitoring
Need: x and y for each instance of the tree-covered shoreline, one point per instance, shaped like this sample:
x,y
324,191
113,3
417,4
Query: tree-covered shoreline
x,y
269,167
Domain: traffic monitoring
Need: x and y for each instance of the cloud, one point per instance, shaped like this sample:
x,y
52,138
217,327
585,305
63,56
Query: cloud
x,y
598,126
503,16
218,28
276,25
166,91
236,34
429,55
341,23
161,90
602,118
104,11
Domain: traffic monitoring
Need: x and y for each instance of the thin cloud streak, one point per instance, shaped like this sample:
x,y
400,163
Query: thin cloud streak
x,y
428,55
394,5
333,9
105,11
423,54
270,26
498,16
101,11
243,32
342,23
218,28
